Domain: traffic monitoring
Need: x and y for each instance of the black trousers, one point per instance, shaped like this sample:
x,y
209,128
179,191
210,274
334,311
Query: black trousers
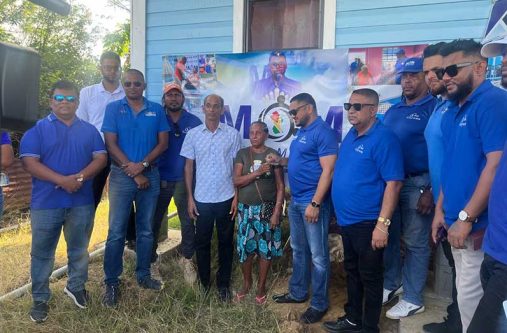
x,y
209,214
365,275
453,316
489,315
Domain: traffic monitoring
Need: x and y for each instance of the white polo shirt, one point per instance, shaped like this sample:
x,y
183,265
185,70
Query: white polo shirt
x,y
93,101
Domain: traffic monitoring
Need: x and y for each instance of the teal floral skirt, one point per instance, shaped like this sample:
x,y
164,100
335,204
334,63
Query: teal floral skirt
x,y
255,234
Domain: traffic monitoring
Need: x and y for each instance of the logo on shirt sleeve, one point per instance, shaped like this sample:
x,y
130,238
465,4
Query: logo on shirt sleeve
x,y
359,149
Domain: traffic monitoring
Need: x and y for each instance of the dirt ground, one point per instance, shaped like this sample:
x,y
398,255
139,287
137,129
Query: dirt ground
x,y
289,313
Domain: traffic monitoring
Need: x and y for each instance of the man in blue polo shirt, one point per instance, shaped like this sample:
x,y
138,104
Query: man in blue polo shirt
x,y
171,166
489,315
432,66
412,219
475,130
366,184
62,153
310,167
135,131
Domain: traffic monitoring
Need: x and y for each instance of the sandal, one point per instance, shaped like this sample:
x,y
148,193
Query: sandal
x,y
261,300
239,297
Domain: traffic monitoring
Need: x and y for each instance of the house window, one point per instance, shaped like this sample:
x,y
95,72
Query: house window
x,y
283,24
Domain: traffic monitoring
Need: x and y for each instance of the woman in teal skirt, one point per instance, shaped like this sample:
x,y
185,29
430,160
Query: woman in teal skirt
x,y
260,196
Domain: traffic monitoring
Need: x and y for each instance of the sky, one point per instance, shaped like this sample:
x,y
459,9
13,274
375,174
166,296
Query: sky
x,y
104,17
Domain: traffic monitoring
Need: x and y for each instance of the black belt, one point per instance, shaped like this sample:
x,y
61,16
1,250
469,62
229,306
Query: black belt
x,y
415,174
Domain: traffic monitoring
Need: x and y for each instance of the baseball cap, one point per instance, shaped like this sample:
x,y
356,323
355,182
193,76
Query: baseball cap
x,y
170,86
400,51
412,65
494,47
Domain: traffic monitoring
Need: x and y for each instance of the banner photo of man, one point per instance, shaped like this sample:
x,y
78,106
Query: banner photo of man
x,y
259,86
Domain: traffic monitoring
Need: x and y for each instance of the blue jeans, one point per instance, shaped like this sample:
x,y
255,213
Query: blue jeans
x,y
47,226
168,190
122,191
310,255
414,230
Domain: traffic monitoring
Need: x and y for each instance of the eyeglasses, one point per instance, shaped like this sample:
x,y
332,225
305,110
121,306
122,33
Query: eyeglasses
x,y
136,84
437,72
60,98
453,70
356,106
294,112
176,129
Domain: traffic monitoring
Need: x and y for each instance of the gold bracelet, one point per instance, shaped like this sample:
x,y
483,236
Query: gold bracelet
x,y
384,231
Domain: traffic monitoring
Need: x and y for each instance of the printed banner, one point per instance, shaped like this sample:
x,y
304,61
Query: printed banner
x,y
259,86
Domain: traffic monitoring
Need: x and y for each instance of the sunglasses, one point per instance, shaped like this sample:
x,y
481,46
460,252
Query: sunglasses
x,y
136,84
356,106
60,98
294,112
176,130
453,70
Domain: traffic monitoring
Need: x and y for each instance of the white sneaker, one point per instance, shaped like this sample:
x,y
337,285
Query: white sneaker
x,y
155,270
389,295
404,309
189,272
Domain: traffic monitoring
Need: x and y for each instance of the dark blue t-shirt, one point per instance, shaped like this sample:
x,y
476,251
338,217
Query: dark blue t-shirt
x,y
364,165
307,147
470,132
66,150
495,239
137,134
171,164
408,123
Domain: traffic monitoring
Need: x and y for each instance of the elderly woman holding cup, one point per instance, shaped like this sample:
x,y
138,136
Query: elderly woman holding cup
x,y
260,195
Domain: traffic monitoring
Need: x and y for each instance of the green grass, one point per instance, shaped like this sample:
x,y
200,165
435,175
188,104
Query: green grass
x,y
178,308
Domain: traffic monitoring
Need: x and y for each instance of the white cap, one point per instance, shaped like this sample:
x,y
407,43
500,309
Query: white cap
x,y
494,47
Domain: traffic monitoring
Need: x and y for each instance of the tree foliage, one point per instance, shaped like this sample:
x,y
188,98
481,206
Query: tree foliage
x,y
119,41
62,42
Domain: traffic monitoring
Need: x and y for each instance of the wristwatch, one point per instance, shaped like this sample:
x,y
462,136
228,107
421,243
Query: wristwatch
x,y
315,205
145,164
80,178
464,217
384,220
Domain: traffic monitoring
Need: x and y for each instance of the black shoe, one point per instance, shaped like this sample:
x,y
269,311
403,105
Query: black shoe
x,y
131,245
39,312
110,298
80,298
342,325
444,327
150,283
224,294
286,298
312,316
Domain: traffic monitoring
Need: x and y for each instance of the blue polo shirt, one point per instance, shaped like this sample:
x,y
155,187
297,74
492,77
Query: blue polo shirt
x,y
137,134
66,150
171,164
307,147
495,238
470,132
435,142
364,166
408,123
